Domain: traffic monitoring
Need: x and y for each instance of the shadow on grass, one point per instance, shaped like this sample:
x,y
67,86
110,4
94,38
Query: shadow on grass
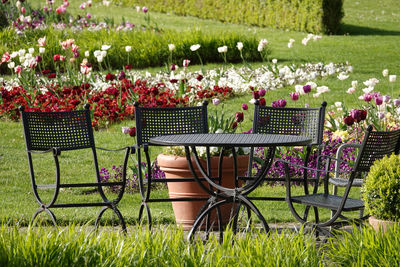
x,y
361,30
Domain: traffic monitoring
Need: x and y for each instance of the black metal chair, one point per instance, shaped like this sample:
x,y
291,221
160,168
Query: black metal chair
x,y
157,121
374,146
57,132
307,122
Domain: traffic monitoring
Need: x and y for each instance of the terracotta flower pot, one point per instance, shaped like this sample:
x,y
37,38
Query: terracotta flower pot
x,y
177,167
378,224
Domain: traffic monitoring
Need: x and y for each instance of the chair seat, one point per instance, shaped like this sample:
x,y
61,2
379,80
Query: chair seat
x,y
328,201
342,182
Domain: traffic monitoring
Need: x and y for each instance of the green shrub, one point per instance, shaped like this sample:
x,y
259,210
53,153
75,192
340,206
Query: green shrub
x,y
381,191
302,15
149,48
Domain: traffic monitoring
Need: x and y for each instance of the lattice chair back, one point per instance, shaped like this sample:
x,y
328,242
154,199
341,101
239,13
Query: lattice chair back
x,y
307,122
156,121
66,130
54,132
375,146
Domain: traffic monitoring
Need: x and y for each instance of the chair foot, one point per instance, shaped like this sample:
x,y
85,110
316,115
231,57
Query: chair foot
x,y
49,212
117,212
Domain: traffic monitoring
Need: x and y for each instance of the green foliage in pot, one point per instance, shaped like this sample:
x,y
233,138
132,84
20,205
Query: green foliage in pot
x,y
381,191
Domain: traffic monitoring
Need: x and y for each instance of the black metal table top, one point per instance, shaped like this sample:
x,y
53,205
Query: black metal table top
x,y
233,140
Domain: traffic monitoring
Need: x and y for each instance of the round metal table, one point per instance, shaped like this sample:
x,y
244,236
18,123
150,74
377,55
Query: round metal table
x,y
223,195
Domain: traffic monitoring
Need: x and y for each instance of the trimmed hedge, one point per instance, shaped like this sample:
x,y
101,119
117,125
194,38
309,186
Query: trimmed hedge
x,y
314,16
149,48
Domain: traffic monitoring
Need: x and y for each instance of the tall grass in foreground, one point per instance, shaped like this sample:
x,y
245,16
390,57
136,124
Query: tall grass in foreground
x,y
365,247
73,246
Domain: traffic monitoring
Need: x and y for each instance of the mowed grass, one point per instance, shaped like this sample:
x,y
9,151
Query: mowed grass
x,y
370,42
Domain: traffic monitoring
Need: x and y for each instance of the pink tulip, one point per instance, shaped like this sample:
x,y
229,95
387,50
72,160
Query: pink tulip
x,y
186,63
294,96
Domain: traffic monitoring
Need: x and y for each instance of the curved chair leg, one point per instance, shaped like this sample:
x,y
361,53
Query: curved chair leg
x,y
121,219
148,213
202,216
103,209
40,210
252,207
117,212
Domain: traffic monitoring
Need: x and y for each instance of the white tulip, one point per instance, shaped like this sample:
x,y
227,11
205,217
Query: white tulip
x,y
105,47
42,50
103,53
239,46
354,84
274,61
351,90
368,89
392,78
262,44
323,89
99,59
222,49
87,53
21,52
194,47
171,47
128,48
31,50
342,76
97,53
11,65
385,72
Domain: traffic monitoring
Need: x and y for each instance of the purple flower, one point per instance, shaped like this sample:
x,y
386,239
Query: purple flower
x,y
145,9
378,100
280,103
294,96
386,98
245,107
356,114
367,97
396,102
216,101
262,92
307,88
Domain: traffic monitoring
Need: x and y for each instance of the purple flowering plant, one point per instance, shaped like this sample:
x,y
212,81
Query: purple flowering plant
x,y
132,182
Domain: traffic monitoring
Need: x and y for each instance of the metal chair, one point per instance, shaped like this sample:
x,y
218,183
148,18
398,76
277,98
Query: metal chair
x,y
307,122
60,132
374,146
157,121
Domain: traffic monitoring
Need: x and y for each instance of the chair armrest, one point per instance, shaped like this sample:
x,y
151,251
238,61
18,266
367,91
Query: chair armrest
x,y
132,149
299,166
339,153
40,152
56,151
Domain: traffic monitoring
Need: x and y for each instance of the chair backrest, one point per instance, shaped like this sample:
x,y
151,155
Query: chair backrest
x,y
307,122
375,146
66,130
156,121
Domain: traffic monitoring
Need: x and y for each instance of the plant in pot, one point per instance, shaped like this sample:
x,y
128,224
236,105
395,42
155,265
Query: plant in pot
x,y
174,164
381,192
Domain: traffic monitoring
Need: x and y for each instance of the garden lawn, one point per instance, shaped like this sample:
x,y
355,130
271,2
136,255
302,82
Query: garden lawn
x,y
370,42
